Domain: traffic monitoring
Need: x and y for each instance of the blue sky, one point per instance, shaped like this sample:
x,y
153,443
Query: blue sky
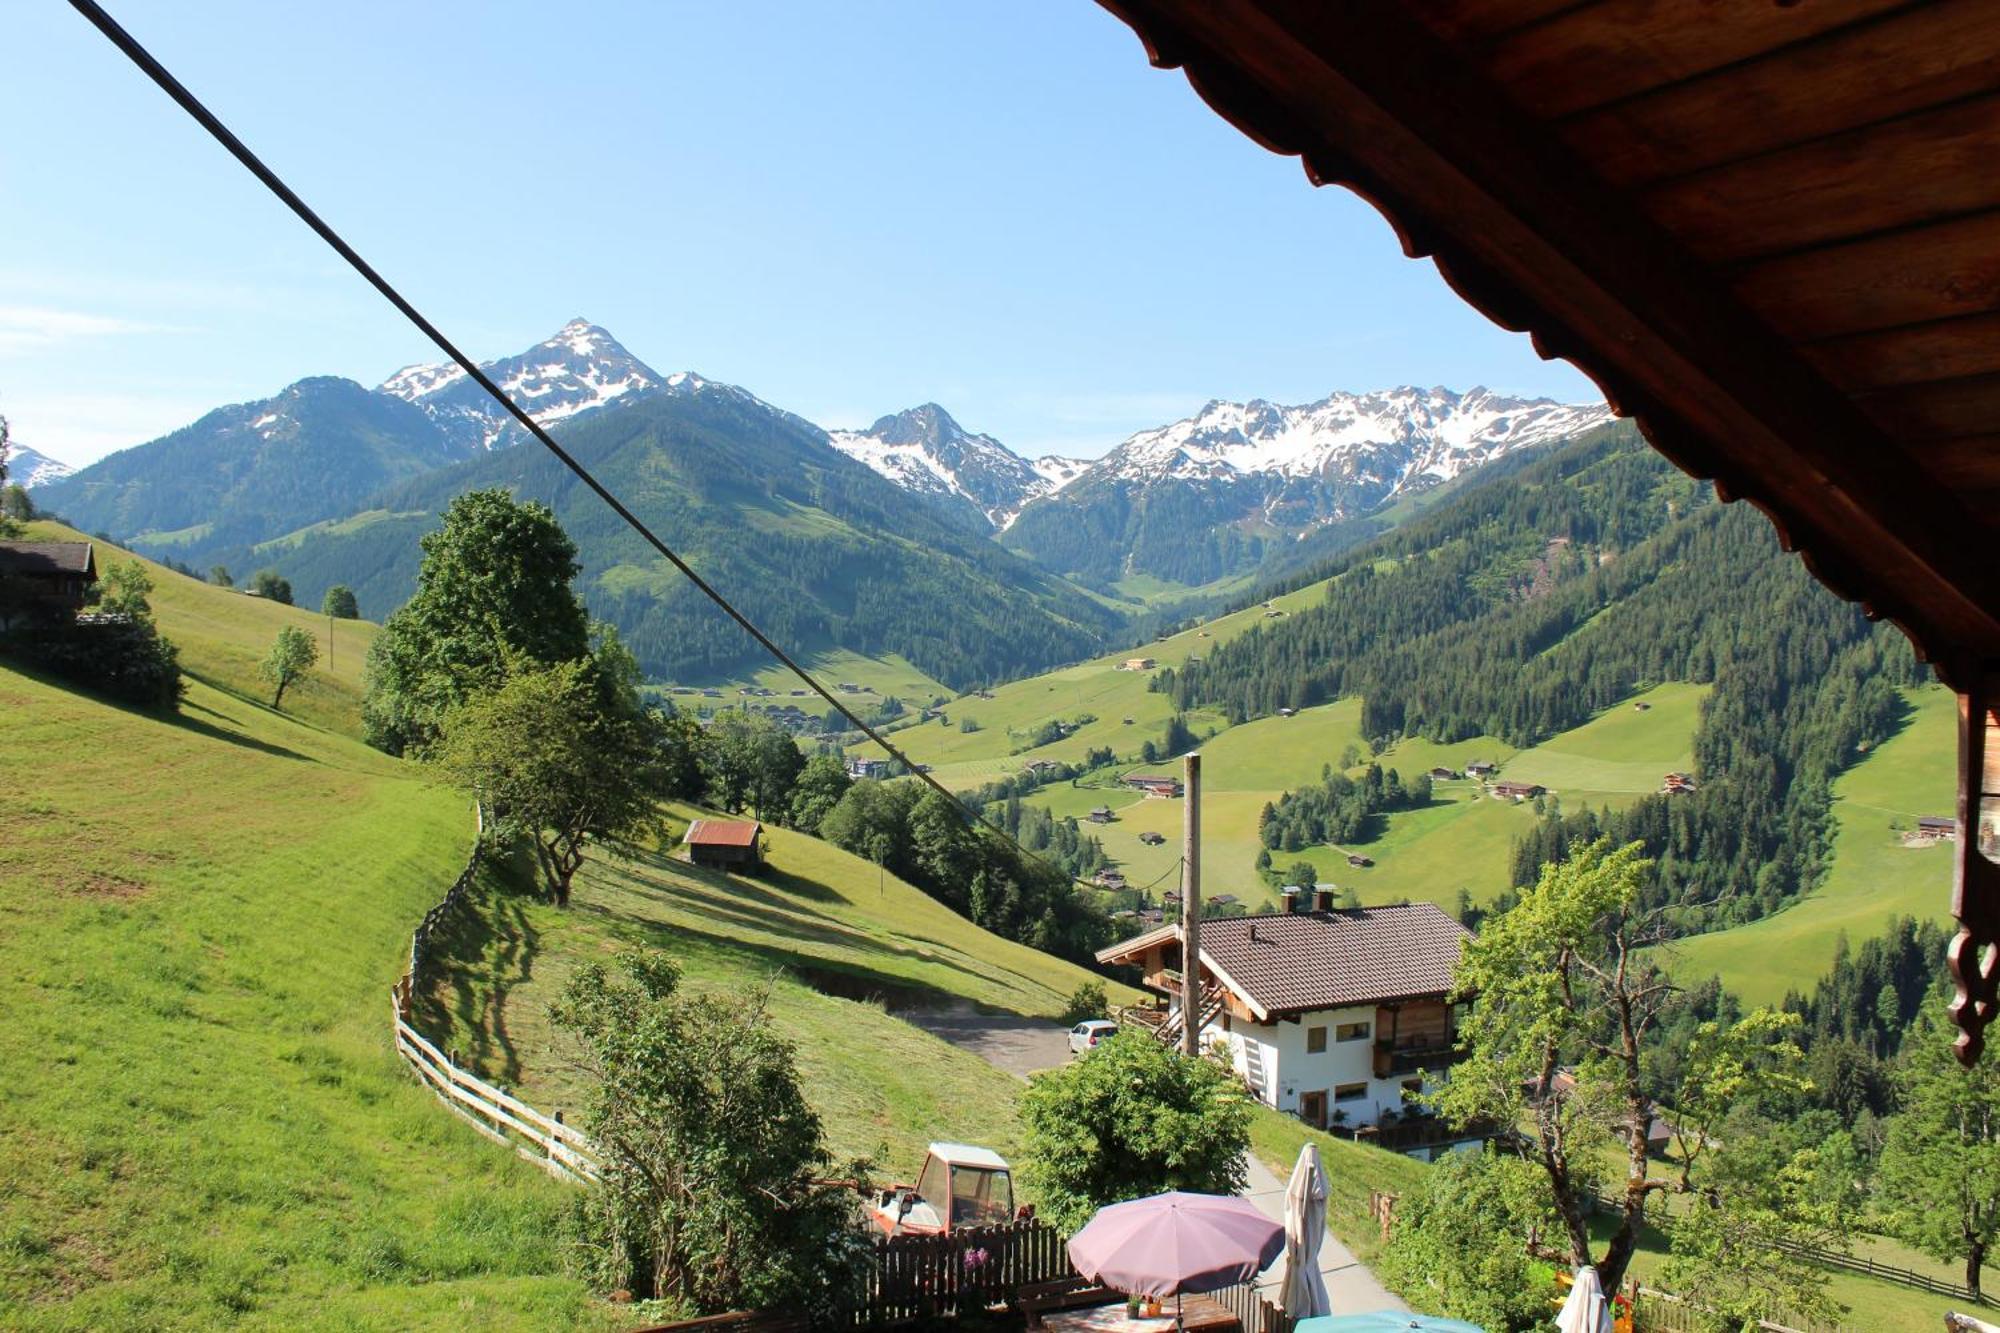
x,y
846,208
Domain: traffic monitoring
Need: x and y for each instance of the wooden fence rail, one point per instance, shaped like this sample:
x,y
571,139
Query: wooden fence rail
x,y
545,1140
929,1277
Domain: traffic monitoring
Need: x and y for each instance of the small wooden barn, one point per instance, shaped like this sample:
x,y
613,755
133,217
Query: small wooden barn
x,y
725,844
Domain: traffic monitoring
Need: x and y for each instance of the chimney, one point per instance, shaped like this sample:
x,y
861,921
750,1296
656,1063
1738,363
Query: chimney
x,y
1292,894
1323,900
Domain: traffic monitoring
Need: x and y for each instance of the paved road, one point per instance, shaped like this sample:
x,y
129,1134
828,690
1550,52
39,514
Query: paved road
x,y
1350,1287
1021,1046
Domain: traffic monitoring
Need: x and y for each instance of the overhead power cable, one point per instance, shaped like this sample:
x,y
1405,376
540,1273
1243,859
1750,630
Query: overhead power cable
x,y
222,134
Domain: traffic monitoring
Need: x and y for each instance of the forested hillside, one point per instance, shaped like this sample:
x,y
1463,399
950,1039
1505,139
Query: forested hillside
x,y
817,549
1524,606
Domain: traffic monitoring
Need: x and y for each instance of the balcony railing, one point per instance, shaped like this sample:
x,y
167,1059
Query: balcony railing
x,y
1392,1060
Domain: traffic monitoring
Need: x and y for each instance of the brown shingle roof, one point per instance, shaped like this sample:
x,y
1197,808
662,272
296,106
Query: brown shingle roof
x,y
723,832
1323,960
1299,961
47,558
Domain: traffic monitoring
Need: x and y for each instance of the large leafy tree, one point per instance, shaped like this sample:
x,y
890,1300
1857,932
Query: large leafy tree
x,y
291,656
494,589
339,603
560,764
821,784
1130,1119
749,761
1456,1248
1564,1021
717,1190
1940,1168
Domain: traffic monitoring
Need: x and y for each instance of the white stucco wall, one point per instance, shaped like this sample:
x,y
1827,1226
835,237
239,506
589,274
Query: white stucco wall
x,y
1290,1070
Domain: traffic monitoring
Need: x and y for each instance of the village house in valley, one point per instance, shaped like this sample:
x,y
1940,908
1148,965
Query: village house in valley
x,y
1337,1016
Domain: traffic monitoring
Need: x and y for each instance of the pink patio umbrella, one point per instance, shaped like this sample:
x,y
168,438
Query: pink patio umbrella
x,y
1174,1243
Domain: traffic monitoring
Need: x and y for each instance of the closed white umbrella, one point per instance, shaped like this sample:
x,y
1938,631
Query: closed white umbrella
x,y
1586,1310
1304,1296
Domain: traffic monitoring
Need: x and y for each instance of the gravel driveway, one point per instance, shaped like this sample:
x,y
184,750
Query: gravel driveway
x,y
1021,1046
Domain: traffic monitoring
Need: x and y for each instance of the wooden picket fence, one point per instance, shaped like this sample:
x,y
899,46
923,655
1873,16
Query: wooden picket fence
x,y
932,1277
545,1140
1254,1313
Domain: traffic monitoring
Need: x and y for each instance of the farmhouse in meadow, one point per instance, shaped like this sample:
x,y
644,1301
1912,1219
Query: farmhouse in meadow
x,y
1942,827
725,844
1136,664
44,579
1337,1016
1518,791
867,768
1153,785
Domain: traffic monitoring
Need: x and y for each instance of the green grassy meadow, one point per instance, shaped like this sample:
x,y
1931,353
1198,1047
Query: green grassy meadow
x,y
1874,876
880,676
838,947
1098,688
206,1122
223,635
1463,839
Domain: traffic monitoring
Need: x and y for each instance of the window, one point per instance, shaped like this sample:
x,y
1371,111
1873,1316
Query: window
x,y
1350,1032
1315,1040
1312,1108
1350,1092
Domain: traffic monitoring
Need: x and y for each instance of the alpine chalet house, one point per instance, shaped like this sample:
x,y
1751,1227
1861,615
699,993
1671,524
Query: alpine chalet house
x,y
1337,1016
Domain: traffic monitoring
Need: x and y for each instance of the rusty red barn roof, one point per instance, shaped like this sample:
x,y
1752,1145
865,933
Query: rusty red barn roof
x,y
723,833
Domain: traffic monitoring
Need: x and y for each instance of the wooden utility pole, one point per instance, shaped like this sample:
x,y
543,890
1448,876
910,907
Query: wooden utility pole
x,y
1191,908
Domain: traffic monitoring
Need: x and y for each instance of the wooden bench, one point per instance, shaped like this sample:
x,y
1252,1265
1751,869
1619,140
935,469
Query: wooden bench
x,y
1071,1293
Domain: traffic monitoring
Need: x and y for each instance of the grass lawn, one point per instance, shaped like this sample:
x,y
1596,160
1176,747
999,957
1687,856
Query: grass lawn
x,y
205,1122
1352,1170
1874,877
1624,750
838,945
223,635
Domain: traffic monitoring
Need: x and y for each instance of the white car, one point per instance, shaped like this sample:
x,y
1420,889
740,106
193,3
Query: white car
x,y
1089,1033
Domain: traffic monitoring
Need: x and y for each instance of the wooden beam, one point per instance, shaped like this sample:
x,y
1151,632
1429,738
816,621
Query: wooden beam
x,y
1916,57
1371,99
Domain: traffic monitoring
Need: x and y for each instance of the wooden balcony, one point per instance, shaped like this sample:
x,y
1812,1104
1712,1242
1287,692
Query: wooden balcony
x,y
1393,1060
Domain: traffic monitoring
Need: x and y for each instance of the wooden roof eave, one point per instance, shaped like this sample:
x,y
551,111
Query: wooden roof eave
x,y
1369,98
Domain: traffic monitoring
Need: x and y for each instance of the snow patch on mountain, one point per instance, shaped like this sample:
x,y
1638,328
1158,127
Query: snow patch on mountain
x,y
1416,436
580,369
924,450
28,469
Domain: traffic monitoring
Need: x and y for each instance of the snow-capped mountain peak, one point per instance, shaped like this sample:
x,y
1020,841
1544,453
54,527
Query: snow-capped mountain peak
x,y
924,450
579,369
1421,435
28,469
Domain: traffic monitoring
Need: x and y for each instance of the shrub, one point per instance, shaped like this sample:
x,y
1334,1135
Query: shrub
x,y
1087,1002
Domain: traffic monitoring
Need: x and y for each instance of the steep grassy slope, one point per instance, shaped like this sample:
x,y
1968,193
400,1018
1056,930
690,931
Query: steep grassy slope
x,y
1874,877
223,635
841,949
199,921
